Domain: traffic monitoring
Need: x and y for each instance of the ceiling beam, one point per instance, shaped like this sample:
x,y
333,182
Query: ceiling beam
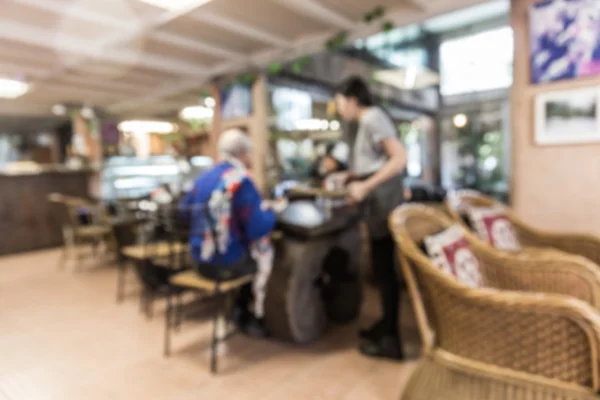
x,y
400,16
109,44
240,28
420,5
84,14
319,12
79,80
31,35
196,45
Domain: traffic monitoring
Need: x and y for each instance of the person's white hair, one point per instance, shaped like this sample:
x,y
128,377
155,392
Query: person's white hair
x,y
233,143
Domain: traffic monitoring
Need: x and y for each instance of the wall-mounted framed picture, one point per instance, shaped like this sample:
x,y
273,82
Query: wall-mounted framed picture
x,y
564,39
567,117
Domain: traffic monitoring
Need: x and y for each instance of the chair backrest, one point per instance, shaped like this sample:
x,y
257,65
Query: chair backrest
x,y
459,201
468,323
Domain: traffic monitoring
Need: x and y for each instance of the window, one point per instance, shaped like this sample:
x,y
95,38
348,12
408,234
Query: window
x,y
478,62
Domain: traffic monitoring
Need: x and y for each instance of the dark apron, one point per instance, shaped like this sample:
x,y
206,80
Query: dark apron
x,y
379,204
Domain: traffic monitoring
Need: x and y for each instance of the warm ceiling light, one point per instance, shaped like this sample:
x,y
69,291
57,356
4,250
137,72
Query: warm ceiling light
x,y
210,102
194,113
175,5
460,120
147,127
409,78
11,89
59,110
88,112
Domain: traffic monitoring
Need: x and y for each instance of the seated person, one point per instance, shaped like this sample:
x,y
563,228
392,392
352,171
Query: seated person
x,y
231,227
334,160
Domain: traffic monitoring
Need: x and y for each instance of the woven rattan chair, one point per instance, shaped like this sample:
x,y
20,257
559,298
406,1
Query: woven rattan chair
x,y
532,240
486,343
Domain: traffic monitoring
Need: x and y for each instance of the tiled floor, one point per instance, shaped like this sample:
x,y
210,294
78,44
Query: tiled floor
x,y
63,337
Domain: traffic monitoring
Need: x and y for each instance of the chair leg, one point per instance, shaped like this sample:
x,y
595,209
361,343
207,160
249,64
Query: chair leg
x,y
215,338
64,255
168,311
121,273
150,305
179,312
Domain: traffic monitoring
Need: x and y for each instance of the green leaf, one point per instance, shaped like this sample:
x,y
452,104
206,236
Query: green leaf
x,y
274,68
339,40
204,94
296,67
305,61
378,12
387,26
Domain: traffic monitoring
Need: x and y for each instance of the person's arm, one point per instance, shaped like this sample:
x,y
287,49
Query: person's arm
x,y
254,221
395,164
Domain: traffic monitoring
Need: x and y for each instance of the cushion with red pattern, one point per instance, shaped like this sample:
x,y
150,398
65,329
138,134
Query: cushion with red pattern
x,y
493,226
450,252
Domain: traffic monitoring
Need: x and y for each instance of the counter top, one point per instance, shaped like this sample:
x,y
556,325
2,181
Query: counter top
x,y
45,169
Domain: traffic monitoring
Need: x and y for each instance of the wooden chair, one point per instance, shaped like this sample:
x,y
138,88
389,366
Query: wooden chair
x,y
532,239
75,234
178,227
154,262
221,292
489,343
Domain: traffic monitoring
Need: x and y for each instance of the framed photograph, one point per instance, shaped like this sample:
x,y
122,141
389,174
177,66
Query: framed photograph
x,y
567,117
564,39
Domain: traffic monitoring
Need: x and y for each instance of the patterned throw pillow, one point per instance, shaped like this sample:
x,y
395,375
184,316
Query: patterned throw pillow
x,y
450,251
493,226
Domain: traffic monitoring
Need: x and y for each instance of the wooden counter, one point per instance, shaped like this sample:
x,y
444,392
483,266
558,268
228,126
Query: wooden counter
x,y
27,220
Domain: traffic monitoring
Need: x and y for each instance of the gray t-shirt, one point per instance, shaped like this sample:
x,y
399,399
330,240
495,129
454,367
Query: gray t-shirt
x,y
368,156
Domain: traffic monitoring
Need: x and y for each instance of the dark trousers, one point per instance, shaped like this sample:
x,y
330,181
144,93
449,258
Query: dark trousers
x,y
383,261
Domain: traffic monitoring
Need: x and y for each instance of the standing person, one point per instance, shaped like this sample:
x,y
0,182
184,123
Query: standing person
x,y
376,162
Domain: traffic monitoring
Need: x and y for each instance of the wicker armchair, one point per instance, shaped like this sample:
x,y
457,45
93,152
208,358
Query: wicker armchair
x,y
492,344
531,239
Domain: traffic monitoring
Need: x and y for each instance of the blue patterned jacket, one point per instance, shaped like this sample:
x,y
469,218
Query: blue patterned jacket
x,y
235,214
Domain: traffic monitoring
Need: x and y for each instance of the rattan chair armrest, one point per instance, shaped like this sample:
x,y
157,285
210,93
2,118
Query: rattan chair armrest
x,y
586,245
545,272
547,335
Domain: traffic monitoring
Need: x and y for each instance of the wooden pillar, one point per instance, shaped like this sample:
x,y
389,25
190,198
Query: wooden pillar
x,y
213,137
259,132
256,125
553,187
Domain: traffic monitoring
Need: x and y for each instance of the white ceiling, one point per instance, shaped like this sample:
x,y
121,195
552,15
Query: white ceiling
x,y
132,58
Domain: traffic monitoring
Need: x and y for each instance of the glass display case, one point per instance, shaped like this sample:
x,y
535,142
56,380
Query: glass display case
x,y
128,177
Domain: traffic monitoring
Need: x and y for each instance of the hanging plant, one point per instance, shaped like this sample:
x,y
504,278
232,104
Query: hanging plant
x,y
338,41
274,68
299,64
247,78
376,13
387,26
204,94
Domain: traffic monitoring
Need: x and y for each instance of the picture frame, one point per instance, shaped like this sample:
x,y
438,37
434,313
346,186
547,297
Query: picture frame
x,y
567,117
564,37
